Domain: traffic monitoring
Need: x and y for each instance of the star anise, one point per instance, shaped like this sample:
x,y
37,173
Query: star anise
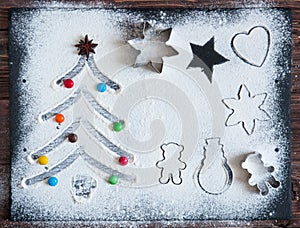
x,y
86,46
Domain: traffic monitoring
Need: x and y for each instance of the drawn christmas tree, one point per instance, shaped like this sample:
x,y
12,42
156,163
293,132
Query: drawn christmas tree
x,y
81,128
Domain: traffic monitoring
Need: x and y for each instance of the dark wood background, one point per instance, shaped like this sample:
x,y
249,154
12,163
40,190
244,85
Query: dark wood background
x,y
208,4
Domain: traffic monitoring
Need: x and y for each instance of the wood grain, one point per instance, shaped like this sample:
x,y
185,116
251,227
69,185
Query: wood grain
x,y
208,4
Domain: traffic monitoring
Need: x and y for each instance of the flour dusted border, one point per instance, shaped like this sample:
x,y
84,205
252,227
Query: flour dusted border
x,y
25,109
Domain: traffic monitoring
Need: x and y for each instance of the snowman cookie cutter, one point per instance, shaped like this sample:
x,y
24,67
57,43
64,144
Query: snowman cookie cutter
x,y
213,146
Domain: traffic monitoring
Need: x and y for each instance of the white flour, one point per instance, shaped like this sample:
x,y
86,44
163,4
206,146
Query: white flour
x,y
179,105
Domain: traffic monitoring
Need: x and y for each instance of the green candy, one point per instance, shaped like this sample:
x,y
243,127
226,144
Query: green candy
x,y
113,179
118,126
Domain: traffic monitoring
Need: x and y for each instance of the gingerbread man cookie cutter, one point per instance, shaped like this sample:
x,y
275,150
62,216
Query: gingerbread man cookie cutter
x,y
261,175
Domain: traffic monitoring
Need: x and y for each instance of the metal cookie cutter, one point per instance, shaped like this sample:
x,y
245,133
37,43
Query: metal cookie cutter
x,y
261,175
214,153
151,46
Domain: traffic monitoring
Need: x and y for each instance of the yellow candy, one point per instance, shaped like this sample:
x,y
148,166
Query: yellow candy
x,y
43,160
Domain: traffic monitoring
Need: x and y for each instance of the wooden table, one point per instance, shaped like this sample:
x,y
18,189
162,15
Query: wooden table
x,y
210,4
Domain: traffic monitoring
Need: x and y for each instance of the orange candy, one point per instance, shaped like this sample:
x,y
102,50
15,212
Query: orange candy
x,y
59,118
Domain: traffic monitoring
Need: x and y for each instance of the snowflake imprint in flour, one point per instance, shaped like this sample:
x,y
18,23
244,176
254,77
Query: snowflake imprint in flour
x,y
90,123
249,113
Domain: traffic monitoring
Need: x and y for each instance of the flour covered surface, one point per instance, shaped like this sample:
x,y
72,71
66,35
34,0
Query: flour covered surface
x,y
150,115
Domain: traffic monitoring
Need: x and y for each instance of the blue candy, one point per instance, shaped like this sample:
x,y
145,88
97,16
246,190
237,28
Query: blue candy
x,y
52,181
101,87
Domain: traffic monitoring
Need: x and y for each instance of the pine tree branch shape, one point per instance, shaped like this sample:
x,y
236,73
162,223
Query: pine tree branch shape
x,y
93,67
69,160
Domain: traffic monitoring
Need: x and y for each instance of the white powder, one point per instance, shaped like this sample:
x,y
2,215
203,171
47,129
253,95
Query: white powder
x,y
179,105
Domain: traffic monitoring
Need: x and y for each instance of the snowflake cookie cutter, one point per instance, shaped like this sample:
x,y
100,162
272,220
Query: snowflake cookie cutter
x,y
238,112
151,46
214,145
171,166
261,175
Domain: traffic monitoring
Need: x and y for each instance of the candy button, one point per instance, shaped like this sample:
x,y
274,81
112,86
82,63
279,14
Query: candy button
x,y
68,83
101,87
123,160
59,118
43,160
72,137
117,126
113,180
52,181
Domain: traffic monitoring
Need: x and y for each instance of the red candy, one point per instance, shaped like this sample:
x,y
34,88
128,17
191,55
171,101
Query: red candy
x,y
68,83
123,161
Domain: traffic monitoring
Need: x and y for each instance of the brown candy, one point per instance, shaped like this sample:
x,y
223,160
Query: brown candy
x,y
72,138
